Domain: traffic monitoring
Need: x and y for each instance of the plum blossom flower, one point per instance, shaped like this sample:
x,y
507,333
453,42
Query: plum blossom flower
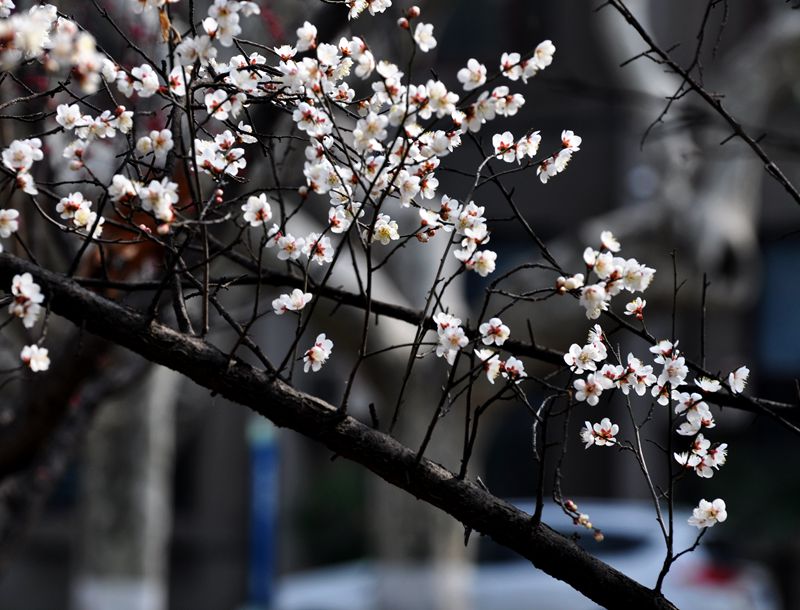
x,y
528,146
145,81
318,248
318,354
27,299
675,371
450,342
513,369
161,143
218,104
257,210
21,154
122,188
708,385
69,205
482,262
290,247
737,380
444,321
423,36
708,514
591,388
684,401
568,284
306,37
385,230
585,358
543,55
663,349
687,459
8,222
636,308
473,76
491,363
295,301
35,357
69,116
494,331
85,218
572,142
601,434
717,456
510,64
594,300
505,147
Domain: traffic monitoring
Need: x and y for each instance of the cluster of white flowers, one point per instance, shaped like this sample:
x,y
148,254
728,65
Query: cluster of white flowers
x,y
390,153
614,275
78,209
19,157
158,142
35,357
58,43
668,386
508,149
514,67
88,128
158,197
471,223
600,434
708,514
586,358
27,301
373,6
702,457
222,23
558,161
385,229
453,338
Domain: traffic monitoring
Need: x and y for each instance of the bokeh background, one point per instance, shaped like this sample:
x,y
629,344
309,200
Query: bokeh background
x,y
181,500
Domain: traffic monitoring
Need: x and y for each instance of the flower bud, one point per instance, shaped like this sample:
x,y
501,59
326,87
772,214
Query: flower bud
x,y
403,23
413,12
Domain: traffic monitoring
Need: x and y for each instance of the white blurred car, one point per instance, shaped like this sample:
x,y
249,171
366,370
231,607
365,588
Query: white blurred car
x,y
501,580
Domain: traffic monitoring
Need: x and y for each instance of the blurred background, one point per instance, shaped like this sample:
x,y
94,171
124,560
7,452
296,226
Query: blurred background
x,y
180,500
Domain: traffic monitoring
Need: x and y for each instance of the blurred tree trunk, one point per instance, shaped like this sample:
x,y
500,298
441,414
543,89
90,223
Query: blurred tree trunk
x,y
126,500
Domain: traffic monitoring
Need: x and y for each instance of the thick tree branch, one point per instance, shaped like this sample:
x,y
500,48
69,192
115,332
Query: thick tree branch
x,y
312,417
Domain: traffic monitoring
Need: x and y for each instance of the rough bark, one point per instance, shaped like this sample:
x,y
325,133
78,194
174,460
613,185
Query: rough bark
x,y
316,419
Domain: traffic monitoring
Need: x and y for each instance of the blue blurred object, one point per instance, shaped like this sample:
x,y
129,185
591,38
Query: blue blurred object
x,y
262,439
